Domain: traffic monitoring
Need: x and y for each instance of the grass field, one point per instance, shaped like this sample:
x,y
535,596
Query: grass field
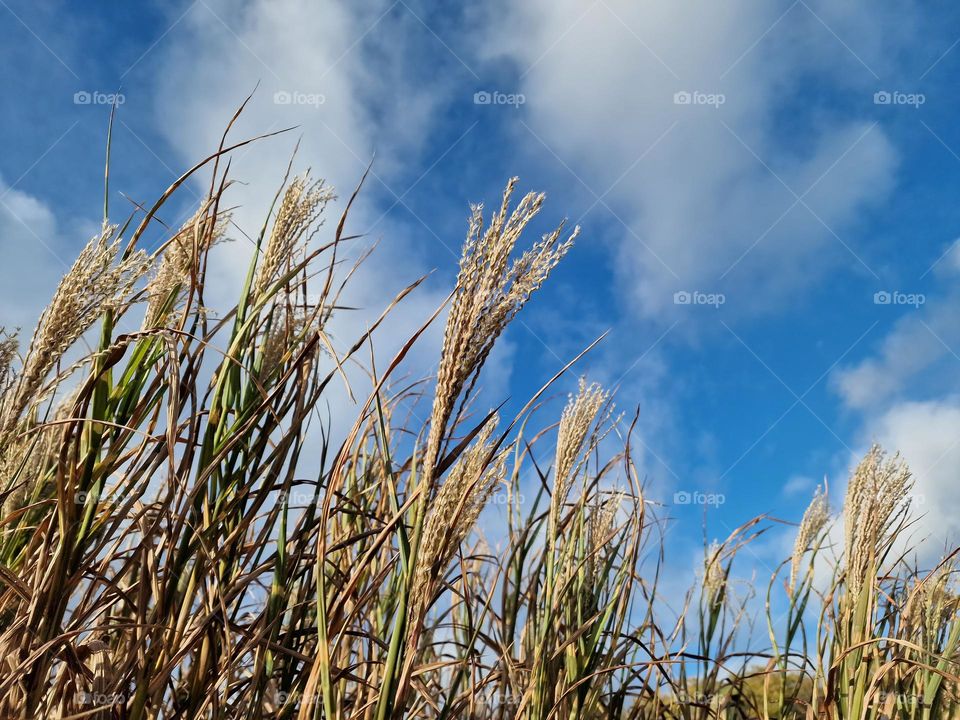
x,y
180,537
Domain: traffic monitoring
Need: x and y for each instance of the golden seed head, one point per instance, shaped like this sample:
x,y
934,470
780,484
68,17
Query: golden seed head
x,y
455,509
100,280
814,520
301,206
600,527
931,603
490,292
877,497
8,355
179,262
714,576
26,460
575,423
286,325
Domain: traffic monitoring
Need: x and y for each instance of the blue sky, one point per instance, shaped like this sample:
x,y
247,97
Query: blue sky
x,y
781,162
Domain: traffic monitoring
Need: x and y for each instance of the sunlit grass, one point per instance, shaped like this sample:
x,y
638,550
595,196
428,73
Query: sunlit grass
x,y
183,536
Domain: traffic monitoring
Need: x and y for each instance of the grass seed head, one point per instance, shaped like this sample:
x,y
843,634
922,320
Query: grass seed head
x,y
490,292
8,356
455,509
286,325
814,520
575,423
931,604
877,497
179,262
301,206
100,280
603,519
27,458
714,576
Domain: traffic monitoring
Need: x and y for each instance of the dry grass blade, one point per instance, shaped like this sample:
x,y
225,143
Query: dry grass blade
x,y
187,532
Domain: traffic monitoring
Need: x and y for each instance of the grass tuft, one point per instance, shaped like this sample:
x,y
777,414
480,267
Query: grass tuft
x,y
183,536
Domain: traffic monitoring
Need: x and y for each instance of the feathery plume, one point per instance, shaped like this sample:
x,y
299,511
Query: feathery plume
x,y
455,510
8,353
286,325
714,576
575,422
878,494
930,605
179,262
814,520
602,520
98,281
302,203
26,459
490,292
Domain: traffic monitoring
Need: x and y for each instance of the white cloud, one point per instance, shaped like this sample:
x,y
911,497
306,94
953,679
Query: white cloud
x,y
908,349
798,486
918,355
351,79
710,194
927,434
33,258
310,63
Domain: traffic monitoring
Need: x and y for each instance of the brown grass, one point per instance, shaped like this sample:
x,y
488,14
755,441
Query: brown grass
x,y
171,545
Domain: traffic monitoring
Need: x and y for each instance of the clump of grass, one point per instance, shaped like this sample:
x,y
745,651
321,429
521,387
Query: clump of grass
x,y
183,536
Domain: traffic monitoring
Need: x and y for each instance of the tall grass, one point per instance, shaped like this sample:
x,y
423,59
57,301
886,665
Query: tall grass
x,y
183,535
